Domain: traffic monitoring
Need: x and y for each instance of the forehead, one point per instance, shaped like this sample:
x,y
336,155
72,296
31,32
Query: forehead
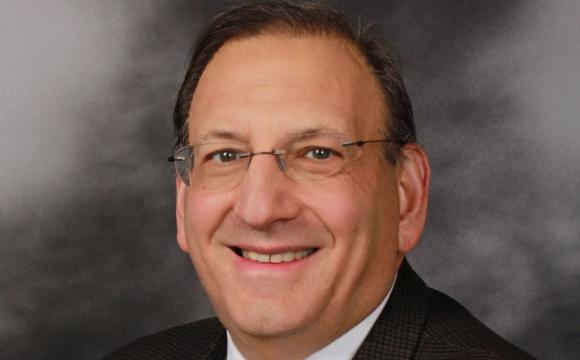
x,y
278,84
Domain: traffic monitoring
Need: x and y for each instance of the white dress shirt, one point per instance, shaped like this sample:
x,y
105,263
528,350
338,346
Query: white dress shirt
x,y
342,348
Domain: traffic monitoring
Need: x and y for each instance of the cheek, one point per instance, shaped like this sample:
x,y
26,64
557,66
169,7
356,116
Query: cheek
x,y
341,207
204,213
358,208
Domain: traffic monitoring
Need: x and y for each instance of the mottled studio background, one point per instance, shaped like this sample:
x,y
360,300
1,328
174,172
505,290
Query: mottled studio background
x,y
87,256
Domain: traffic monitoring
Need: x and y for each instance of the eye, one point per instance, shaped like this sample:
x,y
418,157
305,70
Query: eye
x,y
224,156
319,153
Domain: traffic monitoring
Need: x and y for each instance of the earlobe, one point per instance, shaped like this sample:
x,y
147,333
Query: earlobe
x,y
180,214
415,175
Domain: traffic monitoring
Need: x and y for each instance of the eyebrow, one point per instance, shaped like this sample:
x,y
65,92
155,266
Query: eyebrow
x,y
311,131
222,134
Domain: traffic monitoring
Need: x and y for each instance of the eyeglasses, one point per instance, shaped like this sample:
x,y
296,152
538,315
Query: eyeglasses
x,y
222,165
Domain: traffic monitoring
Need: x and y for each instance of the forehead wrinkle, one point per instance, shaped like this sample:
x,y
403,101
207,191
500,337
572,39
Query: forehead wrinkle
x,y
277,92
223,110
302,104
276,109
276,74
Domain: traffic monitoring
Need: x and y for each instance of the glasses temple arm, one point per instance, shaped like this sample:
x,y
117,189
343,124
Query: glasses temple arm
x,y
362,142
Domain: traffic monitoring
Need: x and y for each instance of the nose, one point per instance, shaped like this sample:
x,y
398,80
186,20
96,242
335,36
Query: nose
x,y
265,194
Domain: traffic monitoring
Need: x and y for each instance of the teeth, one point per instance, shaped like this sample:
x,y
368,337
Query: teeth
x,y
288,256
276,258
263,258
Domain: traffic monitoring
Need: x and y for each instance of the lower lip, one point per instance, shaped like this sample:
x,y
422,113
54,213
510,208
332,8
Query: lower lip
x,y
251,265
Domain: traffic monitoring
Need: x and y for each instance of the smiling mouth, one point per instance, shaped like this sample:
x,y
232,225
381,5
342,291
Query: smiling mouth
x,y
283,257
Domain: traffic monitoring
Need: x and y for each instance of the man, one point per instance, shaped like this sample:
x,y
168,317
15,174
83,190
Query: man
x,y
300,189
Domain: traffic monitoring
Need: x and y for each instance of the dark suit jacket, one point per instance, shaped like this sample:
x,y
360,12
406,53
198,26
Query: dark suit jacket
x,y
417,323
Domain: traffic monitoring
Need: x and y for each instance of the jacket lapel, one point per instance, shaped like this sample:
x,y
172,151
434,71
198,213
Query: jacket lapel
x,y
396,333
216,346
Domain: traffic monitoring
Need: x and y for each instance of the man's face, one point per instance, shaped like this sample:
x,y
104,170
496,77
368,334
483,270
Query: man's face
x,y
259,90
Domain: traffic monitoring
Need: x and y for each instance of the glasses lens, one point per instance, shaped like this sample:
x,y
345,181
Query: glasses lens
x,y
317,157
219,165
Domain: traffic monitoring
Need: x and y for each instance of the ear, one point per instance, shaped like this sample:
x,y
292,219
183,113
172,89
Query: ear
x,y
181,192
414,178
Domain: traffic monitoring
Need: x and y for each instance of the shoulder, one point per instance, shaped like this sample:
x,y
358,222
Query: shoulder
x,y
204,339
421,323
451,326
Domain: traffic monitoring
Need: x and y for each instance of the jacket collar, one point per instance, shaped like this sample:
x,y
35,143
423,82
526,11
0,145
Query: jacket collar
x,y
397,331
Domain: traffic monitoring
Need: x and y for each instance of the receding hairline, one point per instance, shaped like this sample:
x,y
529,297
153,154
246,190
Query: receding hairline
x,y
286,30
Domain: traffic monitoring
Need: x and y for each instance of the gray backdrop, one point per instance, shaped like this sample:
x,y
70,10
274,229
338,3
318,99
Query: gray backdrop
x,y
88,258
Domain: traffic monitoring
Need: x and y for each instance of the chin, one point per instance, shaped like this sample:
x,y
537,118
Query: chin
x,y
268,320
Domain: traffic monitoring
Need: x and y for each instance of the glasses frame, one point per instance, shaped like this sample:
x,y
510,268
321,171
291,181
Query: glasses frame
x,y
278,154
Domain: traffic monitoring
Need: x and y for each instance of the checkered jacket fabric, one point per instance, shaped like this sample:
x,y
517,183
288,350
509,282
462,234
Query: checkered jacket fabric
x,y
417,323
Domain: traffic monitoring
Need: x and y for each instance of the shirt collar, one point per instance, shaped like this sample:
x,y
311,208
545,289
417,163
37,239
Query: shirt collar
x,y
342,348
